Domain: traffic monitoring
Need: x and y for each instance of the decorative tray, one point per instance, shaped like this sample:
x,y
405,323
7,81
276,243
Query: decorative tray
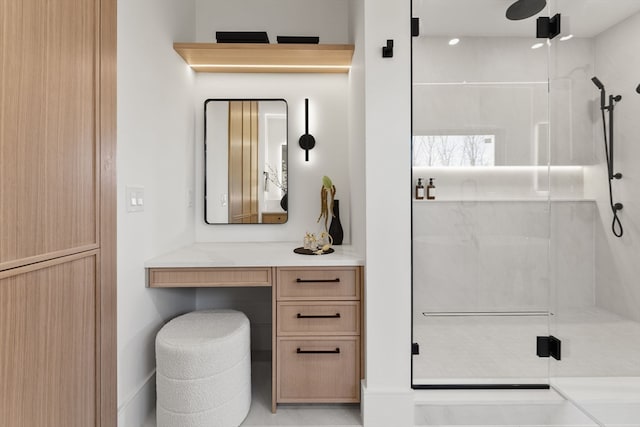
x,y
303,251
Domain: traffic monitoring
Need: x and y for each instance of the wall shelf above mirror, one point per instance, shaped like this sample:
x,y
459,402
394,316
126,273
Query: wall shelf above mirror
x,y
266,58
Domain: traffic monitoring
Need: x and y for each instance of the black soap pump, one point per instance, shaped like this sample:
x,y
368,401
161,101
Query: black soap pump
x,y
431,189
419,190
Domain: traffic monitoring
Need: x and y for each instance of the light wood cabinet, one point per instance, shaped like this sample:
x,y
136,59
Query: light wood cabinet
x,y
274,217
317,349
318,318
316,336
318,283
58,213
209,277
318,369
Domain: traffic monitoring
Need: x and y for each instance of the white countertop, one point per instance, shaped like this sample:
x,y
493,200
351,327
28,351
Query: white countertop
x,y
253,254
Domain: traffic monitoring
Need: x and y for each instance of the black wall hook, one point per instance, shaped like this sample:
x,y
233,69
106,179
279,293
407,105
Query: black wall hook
x,y
387,51
307,141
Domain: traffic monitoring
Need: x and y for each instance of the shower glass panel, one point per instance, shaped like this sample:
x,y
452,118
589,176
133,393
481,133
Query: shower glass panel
x,y
595,285
481,293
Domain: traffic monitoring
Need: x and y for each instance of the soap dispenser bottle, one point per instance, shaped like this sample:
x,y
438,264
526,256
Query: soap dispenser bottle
x,y
431,190
419,190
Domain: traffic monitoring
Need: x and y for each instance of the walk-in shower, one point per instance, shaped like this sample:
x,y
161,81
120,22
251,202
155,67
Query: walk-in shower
x,y
516,254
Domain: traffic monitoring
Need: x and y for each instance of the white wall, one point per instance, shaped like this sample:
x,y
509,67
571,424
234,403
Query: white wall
x,y
357,146
328,110
387,398
328,123
155,151
217,116
327,19
617,65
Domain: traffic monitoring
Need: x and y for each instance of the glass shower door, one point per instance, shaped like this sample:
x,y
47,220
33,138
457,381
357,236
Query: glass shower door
x,y
595,72
481,244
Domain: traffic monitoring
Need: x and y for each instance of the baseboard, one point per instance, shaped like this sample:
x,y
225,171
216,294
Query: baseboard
x,y
134,410
384,407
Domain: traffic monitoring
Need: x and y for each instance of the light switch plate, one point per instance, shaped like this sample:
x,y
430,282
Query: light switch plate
x,y
190,198
134,199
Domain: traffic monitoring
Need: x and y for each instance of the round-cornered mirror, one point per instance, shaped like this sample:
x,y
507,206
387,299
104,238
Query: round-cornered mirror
x,y
245,161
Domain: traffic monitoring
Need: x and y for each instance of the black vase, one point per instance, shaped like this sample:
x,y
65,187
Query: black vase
x,y
335,229
284,202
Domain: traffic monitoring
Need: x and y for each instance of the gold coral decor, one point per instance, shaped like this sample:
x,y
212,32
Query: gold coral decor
x,y
326,207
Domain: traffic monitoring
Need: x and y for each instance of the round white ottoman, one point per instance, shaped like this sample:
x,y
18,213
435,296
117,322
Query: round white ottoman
x,y
203,370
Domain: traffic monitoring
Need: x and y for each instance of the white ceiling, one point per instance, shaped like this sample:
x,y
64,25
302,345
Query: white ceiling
x,y
486,18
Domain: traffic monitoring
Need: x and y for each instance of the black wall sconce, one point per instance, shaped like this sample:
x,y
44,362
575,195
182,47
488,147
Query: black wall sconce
x,y
387,51
307,141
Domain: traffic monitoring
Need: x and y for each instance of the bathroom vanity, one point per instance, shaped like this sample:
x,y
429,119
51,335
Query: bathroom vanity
x,y
317,315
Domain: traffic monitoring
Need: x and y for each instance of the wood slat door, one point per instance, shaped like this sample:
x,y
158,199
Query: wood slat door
x,y
243,162
57,213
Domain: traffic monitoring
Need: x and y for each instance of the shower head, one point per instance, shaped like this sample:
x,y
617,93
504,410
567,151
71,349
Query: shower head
x,y
596,81
638,89
603,94
523,9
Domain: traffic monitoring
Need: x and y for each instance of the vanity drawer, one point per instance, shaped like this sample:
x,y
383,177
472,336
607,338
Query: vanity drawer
x,y
331,283
318,370
209,277
316,318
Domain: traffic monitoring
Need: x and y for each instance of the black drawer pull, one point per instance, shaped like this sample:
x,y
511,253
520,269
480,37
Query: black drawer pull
x,y
336,351
336,280
318,316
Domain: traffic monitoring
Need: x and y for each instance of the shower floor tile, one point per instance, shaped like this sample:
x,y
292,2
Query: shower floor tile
x,y
499,349
480,349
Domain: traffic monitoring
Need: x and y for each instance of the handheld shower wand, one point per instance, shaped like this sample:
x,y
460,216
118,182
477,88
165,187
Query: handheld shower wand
x,y
596,81
603,93
616,226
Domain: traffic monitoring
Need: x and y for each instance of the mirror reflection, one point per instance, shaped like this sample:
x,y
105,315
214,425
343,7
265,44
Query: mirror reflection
x,y
245,161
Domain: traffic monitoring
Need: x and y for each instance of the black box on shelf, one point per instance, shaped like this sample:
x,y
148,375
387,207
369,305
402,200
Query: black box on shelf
x,y
242,37
299,39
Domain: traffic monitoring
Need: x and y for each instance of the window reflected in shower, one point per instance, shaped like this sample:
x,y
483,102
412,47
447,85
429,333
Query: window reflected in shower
x,y
454,150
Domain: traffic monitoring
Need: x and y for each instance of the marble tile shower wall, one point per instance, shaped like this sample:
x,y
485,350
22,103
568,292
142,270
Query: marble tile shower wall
x,y
618,64
495,256
499,86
